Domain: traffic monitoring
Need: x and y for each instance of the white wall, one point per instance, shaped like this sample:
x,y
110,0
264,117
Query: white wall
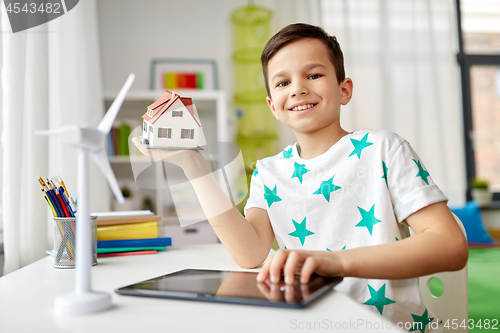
x,y
133,32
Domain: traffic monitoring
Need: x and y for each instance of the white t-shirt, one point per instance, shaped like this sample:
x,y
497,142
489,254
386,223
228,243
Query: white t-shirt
x,y
355,194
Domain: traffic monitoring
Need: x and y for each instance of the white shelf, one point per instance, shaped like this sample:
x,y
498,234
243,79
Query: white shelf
x,y
207,103
129,159
212,111
141,95
142,159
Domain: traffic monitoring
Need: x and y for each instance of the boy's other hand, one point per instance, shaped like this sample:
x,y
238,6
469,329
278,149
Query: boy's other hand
x,y
176,157
305,263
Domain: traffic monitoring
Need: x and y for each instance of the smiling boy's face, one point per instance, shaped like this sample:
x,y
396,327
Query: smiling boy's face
x,y
305,94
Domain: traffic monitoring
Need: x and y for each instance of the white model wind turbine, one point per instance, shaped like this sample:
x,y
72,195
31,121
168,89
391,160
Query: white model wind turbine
x,y
88,140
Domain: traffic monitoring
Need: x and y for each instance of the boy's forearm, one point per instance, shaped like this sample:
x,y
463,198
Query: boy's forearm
x,y
419,255
234,231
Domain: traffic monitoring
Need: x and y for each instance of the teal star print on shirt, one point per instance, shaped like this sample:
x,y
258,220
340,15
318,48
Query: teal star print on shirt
x,y
287,153
300,170
378,298
421,172
326,188
300,231
385,172
271,196
359,145
255,172
421,322
340,249
369,219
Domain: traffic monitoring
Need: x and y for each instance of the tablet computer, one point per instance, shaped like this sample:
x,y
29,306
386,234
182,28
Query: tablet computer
x,y
231,287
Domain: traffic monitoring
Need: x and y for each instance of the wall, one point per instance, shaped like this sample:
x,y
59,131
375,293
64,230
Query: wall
x,y
133,32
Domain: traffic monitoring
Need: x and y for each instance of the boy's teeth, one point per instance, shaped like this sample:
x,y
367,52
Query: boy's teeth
x,y
302,107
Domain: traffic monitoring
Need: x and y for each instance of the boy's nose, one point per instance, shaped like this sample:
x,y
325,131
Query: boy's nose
x,y
301,93
299,90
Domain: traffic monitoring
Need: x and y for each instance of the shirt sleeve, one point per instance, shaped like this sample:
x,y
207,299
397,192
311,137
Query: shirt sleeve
x,y
410,185
256,197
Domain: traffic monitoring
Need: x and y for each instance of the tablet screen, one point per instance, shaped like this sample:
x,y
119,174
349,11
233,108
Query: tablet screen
x,y
231,287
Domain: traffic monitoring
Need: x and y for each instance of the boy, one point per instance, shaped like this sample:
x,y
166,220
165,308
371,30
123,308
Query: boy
x,y
335,201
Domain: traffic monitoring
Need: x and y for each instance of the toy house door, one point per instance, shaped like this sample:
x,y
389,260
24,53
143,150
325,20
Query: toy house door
x,y
150,133
145,130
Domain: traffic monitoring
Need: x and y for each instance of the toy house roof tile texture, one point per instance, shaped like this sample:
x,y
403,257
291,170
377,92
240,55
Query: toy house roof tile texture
x,y
164,103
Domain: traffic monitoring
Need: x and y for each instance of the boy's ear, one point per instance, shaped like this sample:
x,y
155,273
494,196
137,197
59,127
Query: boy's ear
x,y
346,91
271,106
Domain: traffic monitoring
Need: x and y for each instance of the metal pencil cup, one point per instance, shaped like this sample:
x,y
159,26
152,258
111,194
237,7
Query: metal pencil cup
x,y
65,241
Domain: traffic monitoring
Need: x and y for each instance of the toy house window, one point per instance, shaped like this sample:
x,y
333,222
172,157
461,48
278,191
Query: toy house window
x,y
151,129
187,133
177,113
145,127
164,133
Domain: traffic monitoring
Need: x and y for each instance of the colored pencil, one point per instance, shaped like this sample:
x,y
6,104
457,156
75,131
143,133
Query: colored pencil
x,y
126,253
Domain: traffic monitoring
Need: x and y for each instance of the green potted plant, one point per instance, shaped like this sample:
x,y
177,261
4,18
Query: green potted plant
x,y
479,189
128,204
127,193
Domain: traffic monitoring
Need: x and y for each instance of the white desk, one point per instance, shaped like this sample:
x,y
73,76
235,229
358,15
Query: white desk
x,y
27,298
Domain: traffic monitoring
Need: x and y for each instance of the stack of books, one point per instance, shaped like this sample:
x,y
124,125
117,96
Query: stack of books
x,y
129,233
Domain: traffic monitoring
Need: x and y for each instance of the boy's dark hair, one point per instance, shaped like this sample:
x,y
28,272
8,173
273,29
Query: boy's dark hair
x,y
297,31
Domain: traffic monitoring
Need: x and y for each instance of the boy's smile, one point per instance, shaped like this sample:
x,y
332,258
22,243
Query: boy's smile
x,y
305,94
302,106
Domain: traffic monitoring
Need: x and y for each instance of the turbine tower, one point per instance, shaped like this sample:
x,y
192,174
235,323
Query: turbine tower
x,y
89,141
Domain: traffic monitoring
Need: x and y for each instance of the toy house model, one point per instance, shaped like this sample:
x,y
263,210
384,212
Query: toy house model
x,y
170,123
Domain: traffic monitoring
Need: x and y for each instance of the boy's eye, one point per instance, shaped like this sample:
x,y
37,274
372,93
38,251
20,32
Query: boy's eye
x,y
282,84
315,76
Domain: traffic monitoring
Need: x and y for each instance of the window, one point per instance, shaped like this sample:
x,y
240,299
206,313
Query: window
x,y
479,60
485,103
145,126
151,128
177,113
165,133
187,133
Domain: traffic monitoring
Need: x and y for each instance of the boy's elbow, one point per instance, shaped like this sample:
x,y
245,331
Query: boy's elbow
x,y
459,255
464,257
249,262
249,265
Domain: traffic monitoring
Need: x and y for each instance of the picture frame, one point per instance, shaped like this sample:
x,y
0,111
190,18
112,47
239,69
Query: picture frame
x,y
173,74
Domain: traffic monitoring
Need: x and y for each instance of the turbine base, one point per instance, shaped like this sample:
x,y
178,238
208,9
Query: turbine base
x,y
82,303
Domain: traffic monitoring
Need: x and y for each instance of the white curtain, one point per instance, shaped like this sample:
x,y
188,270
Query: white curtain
x,y
51,77
401,57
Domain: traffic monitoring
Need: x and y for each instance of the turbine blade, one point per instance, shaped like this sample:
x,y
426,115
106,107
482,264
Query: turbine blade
x,y
102,161
107,122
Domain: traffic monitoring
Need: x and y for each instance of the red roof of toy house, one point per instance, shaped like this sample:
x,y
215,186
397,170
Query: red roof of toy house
x,y
164,102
